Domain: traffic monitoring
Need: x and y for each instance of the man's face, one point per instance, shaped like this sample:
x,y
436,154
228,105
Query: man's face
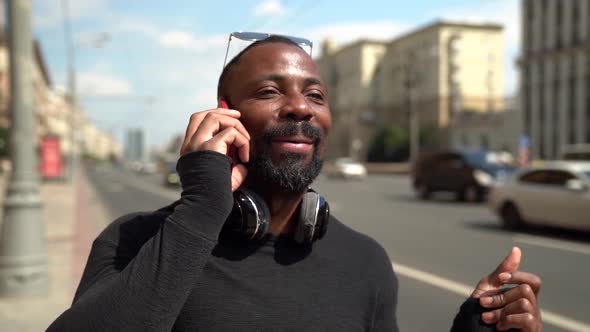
x,y
284,105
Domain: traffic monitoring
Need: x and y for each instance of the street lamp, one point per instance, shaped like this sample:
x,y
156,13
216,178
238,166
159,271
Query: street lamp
x,y
23,257
97,41
410,83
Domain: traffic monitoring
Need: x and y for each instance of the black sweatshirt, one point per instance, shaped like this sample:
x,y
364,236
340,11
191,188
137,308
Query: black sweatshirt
x,y
170,270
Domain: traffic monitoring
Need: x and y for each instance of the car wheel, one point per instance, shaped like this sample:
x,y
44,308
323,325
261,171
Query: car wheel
x,y
511,216
422,191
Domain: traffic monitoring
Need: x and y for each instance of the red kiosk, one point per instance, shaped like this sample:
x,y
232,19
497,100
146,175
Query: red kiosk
x,y
51,158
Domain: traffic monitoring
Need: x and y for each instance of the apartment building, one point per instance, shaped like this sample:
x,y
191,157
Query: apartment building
x,y
438,71
555,74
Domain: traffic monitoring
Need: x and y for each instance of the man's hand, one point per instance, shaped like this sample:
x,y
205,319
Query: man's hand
x,y
219,130
517,307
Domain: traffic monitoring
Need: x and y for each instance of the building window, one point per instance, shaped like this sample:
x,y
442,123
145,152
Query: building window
x,y
558,24
573,102
526,102
576,23
541,123
556,122
529,24
588,95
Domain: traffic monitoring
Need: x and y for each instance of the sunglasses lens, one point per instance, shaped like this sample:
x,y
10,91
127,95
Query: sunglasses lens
x,y
250,36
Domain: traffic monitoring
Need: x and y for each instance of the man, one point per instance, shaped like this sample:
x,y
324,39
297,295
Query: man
x,y
178,269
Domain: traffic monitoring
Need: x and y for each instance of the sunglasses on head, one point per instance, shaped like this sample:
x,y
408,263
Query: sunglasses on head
x,y
257,36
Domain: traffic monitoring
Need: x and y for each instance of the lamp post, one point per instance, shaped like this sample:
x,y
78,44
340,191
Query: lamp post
x,y
97,42
23,258
414,121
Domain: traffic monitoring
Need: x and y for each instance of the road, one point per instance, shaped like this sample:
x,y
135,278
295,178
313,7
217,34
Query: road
x,y
439,248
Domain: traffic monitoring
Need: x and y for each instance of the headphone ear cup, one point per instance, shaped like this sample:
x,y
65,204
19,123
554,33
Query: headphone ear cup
x,y
323,218
306,231
250,216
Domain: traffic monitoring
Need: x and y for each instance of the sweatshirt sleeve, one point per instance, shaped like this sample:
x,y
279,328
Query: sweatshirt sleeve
x,y
146,291
469,318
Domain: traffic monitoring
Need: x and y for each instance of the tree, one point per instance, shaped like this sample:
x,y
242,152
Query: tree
x,y
390,143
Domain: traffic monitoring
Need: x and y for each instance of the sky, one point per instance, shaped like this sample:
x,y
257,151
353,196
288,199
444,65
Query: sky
x,y
161,60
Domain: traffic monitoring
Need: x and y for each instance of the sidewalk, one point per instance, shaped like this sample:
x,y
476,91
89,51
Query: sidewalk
x,y
71,214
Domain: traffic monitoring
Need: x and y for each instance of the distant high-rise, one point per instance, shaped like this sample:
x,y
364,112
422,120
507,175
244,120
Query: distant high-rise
x,y
555,74
135,145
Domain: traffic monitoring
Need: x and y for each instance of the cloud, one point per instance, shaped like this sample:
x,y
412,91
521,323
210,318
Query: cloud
x,y
137,25
269,8
50,13
186,41
97,83
171,39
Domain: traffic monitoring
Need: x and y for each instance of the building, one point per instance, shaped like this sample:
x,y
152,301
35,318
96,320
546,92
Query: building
x,y
496,131
135,145
98,144
349,72
438,71
555,74
54,114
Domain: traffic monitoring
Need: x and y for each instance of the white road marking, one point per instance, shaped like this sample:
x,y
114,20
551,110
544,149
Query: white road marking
x,y
549,317
552,243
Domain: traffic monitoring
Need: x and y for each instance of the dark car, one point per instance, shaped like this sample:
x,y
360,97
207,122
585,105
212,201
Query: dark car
x,y
468,174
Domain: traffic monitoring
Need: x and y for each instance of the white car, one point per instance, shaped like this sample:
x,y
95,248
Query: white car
x,y
549,193
348,168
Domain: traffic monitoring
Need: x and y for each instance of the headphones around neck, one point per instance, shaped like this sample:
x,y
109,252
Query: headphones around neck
x,y
250,217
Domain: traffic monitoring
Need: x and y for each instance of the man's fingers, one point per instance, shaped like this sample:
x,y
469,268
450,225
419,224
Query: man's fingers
x,y
214,123
524,322
492,317
519,307
226,138
510,264
501,298
519,277
211,125
195,122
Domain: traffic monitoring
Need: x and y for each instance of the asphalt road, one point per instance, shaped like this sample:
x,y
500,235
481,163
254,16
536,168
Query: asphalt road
x,y
439,248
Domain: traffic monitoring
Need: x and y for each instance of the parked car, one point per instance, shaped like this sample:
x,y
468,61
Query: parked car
x,y
468,174
550,193
171,178
348,168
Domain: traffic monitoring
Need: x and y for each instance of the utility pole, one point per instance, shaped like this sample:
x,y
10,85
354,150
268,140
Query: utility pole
x,y
23,258
69,42
410,84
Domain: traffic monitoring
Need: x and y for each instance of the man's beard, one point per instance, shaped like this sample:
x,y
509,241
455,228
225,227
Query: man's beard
x,y
292,173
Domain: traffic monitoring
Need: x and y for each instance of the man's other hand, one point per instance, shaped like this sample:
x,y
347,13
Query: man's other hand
x,y
516,307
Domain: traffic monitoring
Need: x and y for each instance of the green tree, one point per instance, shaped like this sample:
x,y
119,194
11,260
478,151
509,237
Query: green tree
x,y
390,143
4,139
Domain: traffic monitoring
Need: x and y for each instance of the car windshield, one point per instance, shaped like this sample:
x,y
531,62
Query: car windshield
x,y
491,162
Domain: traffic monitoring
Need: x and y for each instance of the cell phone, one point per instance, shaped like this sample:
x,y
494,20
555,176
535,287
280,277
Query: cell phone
x,y
233,151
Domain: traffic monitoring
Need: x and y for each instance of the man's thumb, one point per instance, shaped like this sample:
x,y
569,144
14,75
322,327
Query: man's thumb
x,y
510,264
238,175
